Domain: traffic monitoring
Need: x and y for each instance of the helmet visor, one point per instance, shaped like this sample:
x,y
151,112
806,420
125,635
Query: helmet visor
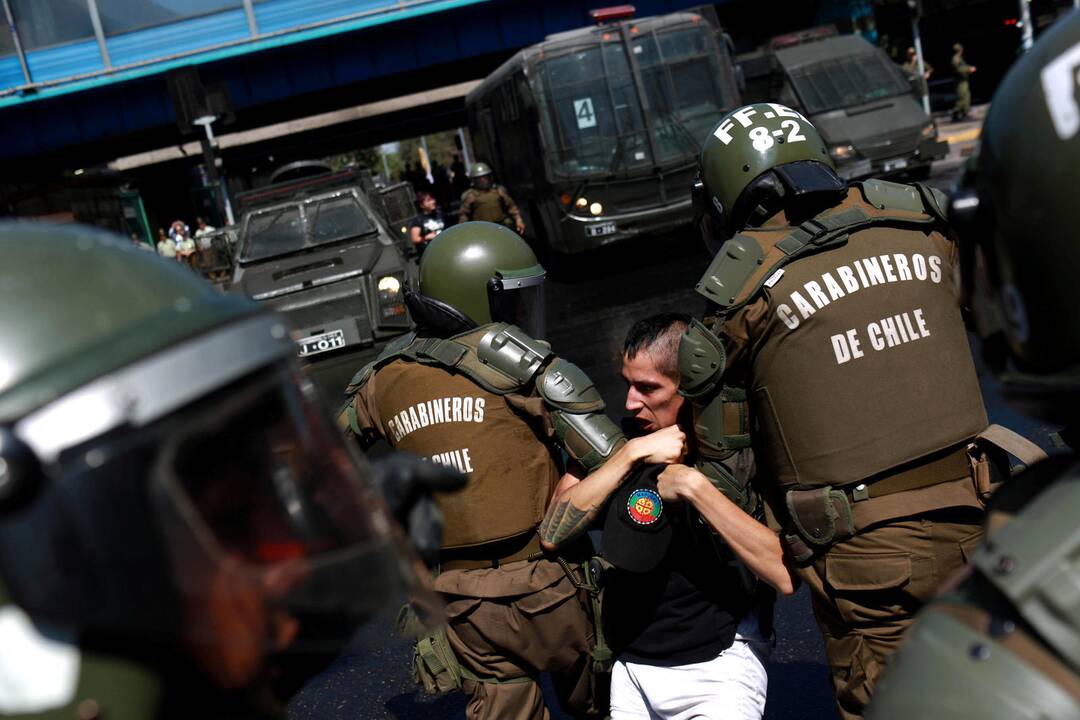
x,y
262,491
518,298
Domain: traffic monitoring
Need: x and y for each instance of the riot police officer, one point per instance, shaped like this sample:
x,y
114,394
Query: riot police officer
x,y
178,518
832,313
488,201
473,388
1004,644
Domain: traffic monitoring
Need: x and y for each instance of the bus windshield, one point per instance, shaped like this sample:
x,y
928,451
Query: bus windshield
x,y
593,115
289,228
846,81
680,71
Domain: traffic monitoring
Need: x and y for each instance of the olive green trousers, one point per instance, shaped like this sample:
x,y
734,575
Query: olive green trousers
x,y
867,589
508,625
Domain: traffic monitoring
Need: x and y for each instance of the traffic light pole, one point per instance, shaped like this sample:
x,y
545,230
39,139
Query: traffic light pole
x,y
211,161
916,40
1028,38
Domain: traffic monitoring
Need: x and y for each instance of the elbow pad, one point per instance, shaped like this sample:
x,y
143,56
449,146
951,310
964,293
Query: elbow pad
x,y
575,409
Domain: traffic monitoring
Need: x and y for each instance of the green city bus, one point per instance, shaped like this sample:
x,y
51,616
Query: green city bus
x,y
595,132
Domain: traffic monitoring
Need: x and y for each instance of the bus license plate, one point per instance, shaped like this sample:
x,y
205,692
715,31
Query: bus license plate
x,y
321,343
600,229
897,164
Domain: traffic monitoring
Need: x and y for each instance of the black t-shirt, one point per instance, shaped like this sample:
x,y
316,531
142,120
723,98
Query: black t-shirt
x,y
686,611
429,222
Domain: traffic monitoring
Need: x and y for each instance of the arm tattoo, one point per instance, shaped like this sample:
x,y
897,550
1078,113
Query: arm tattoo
x,y
564,521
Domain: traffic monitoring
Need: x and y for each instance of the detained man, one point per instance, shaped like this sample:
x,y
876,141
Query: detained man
x,y
682,602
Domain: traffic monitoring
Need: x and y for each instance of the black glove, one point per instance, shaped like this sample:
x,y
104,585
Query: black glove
x,y
407,481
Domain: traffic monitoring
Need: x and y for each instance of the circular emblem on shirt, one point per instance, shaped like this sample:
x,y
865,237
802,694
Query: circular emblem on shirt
x,y
644,506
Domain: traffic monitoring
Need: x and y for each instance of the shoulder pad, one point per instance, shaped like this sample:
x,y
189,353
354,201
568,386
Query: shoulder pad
x,y
731,269
935,201
508,349
567,387
392,350
885,195
360,379
701,361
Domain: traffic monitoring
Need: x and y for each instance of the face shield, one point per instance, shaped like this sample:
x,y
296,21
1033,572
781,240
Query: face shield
x,y
259,489
517,297
482,182
238,527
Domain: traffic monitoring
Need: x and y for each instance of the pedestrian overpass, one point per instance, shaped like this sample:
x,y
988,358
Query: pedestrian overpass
x,y
84,82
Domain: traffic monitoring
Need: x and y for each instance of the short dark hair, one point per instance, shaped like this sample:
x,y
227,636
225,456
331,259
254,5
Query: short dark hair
x,y
659,336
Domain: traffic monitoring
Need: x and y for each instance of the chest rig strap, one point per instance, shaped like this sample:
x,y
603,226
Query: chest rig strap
x,y
745,263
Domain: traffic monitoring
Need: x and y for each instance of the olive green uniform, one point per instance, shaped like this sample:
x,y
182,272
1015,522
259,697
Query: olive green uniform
x,y
963,86
865,402
512,613
911,68
491,205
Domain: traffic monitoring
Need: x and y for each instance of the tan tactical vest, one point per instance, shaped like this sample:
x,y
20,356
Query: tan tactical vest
x,y
446,417
862,363
488,205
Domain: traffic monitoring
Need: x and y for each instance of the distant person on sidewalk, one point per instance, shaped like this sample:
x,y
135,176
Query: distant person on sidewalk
x,y
963,88
918,80
428,223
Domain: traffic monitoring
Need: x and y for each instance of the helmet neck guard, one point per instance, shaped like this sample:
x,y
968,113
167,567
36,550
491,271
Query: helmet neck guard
x,y
434,317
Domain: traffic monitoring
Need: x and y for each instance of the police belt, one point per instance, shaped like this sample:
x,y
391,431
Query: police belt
x,y
924,473
825,516
492,554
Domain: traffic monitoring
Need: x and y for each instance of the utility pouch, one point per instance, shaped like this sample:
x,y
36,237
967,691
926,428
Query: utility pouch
x,y
822,516
591,580
434,664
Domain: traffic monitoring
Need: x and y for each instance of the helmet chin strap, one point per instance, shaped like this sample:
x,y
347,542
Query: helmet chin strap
x,y
434,317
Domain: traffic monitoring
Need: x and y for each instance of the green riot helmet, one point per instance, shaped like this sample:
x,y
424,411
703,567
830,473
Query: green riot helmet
x,y
758,160
1019,226
480,174
165,465
476,273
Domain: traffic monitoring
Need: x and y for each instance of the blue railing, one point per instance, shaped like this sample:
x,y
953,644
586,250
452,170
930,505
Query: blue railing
x,y
254,25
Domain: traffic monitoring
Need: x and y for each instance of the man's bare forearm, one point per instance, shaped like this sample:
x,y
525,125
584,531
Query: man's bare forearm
x,y
564,522
577,502
755,544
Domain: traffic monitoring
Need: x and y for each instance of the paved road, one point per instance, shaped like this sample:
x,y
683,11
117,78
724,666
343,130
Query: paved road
x,y
589,310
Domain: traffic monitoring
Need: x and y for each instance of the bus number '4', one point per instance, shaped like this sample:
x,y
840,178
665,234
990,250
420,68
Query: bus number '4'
x,y
583,111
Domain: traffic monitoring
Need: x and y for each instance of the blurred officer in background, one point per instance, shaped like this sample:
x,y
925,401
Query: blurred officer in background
x,y
488,201
1006,642
179,521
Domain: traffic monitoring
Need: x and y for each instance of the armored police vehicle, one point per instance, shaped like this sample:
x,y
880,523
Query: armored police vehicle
x,y
595,132
856,97
316,248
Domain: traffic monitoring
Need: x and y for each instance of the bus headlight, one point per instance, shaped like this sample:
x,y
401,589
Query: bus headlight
x,y
842,152
391,299
596,208
581,203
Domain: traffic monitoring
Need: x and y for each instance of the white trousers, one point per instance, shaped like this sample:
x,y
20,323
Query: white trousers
x,y
730,686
